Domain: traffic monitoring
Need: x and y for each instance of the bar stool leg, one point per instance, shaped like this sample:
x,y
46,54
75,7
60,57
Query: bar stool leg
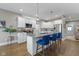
x,y
50,43
48,47
43,49
37,49
60,42
55,44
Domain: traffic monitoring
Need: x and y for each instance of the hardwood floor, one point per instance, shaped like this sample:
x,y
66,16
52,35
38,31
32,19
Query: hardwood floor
x,y
68,48
14,50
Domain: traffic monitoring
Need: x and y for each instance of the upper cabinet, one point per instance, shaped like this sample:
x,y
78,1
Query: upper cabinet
x,y
21,22
31,22
46,25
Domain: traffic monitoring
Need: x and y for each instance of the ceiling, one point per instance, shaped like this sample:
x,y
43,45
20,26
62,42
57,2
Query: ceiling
x,y
29,9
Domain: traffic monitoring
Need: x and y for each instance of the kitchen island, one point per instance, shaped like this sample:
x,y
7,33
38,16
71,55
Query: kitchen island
x,y
31,43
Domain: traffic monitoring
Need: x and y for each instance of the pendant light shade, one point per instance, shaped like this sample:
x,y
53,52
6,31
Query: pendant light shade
x,y
37,11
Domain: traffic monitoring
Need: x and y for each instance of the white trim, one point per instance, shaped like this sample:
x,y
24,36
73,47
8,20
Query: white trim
x,y
6,43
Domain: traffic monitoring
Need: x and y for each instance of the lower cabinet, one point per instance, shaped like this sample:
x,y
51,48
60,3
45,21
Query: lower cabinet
x,y
22,37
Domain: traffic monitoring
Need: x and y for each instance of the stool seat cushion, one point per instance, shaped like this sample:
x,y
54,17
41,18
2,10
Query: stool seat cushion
x,y
52,37
59,36
41,42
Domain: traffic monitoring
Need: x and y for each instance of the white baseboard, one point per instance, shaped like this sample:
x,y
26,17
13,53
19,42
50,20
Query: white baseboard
x,y
21,41
6,43
69,37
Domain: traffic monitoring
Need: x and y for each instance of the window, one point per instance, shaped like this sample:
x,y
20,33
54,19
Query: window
x,y
69,28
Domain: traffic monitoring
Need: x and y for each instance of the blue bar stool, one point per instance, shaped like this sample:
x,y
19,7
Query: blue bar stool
x,y
43,42
59,38
53,38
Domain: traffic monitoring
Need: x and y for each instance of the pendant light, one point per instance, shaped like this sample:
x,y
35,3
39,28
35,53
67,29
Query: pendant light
x,y
37,11
51,14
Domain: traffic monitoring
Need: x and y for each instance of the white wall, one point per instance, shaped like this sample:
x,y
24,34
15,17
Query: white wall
x,y
58,21
10,19
70,33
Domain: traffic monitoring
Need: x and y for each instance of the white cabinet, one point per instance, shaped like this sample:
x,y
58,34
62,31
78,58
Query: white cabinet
x,y
34,23
31,21
22,37
47,25
21,22
31,45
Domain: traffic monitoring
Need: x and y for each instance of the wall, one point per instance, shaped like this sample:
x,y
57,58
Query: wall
x,y
70,33
10,19
65,32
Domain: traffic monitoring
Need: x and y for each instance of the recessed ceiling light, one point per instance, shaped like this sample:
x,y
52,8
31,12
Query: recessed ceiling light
x,y
70,17
21,10
56,15
37,19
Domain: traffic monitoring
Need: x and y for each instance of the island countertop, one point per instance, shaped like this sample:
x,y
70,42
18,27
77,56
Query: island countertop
x,y
31,42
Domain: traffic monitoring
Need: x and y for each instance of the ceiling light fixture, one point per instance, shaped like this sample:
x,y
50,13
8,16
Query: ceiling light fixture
x,y
21,10
51,14
56,15
70,17
37,11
